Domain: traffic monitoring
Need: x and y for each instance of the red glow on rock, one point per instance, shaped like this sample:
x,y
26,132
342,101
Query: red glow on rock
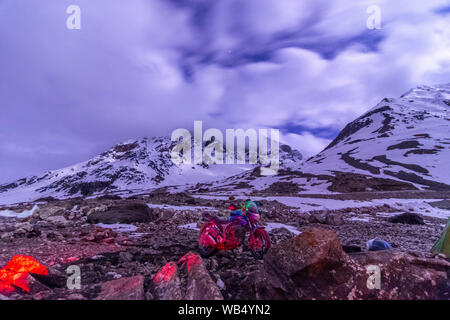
x,y
166,273
72,259
15,273
5,287
191,260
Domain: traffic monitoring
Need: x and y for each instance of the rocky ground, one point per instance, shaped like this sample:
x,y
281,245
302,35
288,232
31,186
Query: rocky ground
x,y
152,254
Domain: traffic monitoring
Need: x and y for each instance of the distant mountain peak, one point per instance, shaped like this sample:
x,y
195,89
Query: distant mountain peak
x,y
136,164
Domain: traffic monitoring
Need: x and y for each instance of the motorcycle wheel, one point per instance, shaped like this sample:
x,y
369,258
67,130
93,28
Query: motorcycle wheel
x,y
206,249
259,244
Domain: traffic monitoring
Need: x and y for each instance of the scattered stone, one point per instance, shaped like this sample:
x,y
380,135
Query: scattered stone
x,y
407,218
43,295
326,217
126,256
59,221
2,297
54,278
48,211
101,235
75,296
315,249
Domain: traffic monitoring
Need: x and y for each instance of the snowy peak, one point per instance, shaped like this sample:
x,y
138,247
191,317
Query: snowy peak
x,y
411,108
405,139
436,95
400,144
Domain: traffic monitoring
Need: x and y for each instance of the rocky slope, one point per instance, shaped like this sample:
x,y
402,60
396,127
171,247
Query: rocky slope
x,y
154,255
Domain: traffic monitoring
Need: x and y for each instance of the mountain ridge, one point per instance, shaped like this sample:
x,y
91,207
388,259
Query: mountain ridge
x,y
398,144
141,164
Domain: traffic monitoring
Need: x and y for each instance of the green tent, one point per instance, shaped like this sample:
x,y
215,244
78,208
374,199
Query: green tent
x,y
442,245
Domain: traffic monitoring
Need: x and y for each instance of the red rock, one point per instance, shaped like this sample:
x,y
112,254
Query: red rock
x,y
314,250
199,286
166,283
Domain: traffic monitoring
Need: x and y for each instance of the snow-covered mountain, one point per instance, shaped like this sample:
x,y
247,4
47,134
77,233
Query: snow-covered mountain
x,y
399,144
133,165
407,139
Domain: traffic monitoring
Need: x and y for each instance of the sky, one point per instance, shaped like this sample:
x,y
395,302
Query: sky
x,y
146,67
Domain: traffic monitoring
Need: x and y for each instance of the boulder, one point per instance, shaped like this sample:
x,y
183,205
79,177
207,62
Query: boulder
x,y
407,218
123,289
7,236
25,229
101,235
54,278
318,217
326,217
315,250
334,219
314,266
16,275
126,212
310,266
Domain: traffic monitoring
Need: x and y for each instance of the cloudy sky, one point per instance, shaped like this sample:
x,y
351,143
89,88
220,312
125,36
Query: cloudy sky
x,y
146,67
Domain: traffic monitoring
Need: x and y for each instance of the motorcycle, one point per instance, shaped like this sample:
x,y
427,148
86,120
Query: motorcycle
x,y
218,234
